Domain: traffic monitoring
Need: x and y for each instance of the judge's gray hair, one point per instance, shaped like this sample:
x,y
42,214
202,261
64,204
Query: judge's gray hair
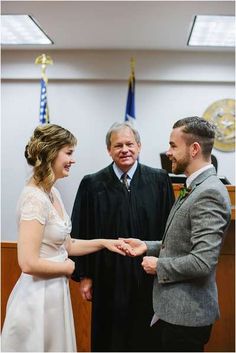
x,y
119,126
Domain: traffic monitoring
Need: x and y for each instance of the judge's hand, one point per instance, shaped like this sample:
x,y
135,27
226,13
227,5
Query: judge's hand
x,y
133,246
116,245
86,285
150,264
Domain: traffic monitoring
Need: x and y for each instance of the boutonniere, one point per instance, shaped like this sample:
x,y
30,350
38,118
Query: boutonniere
x,y
184,192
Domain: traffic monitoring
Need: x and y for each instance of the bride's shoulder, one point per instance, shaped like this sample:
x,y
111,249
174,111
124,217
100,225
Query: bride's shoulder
x,y
30,192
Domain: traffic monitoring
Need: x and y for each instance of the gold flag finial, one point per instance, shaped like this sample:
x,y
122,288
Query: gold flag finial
x,y
44,60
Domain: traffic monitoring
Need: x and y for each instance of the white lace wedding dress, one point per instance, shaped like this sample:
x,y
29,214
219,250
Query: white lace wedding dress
x,y
39,315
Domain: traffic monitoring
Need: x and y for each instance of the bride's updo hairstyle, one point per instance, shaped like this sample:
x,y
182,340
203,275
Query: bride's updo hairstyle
x,y
42,150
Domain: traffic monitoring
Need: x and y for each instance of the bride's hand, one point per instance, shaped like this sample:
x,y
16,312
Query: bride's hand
x,y
117,246
69,267
133,246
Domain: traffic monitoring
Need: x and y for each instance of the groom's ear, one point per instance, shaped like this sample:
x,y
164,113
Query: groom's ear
x,y
195,149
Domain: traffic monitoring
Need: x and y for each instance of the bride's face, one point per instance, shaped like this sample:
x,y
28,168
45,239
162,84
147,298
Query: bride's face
x,y
64,160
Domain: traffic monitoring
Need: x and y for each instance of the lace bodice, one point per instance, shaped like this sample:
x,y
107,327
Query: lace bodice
x,y
34,204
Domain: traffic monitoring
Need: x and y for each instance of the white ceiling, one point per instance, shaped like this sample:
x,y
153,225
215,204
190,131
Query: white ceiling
x,y
148,25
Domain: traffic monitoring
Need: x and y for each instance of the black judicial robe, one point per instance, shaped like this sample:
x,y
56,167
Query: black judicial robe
x,y
122,291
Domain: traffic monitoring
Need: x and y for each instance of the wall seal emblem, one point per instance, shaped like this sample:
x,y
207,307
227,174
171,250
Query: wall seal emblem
x,y
222,114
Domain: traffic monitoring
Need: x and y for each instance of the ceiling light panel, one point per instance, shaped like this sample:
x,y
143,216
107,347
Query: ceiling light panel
x,y
21,30
217,31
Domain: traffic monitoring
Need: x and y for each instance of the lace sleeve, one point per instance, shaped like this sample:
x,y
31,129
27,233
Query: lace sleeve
x,y
32,206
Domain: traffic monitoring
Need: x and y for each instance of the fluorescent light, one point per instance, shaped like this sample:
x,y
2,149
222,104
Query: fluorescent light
x,y
217,31
21,29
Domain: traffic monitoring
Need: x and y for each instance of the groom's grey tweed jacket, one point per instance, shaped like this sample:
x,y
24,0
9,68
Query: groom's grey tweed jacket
x,y
184,291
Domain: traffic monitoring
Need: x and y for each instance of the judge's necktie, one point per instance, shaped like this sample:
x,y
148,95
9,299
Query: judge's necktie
x,y
124,180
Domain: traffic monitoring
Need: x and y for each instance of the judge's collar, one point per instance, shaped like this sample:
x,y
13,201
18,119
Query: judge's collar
x,y
119,172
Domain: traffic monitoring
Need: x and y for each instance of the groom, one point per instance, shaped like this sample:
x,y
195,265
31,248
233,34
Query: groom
x,y
184,263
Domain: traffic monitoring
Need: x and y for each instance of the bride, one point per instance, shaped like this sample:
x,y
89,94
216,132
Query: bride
x,y
39,315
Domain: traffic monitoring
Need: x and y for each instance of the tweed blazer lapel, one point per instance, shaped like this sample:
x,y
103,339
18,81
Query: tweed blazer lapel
x,y
203,176
199,179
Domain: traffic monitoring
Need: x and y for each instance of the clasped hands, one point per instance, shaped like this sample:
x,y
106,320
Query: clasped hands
x,y
123,246
136,247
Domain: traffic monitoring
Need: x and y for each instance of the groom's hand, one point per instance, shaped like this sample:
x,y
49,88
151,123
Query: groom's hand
x,y
133,246
150,264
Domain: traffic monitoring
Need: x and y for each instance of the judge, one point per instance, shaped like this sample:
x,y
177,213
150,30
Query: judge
x,y
124,199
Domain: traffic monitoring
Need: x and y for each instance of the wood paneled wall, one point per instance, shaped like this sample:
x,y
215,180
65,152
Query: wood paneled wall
x,y
223,334
81,309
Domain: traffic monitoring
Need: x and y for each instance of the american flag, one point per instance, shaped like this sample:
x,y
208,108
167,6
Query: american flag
x,y
130,105
44,112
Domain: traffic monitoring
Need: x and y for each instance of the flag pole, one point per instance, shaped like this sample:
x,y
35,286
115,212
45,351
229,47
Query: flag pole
x,y
132,65
132,69
43,60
